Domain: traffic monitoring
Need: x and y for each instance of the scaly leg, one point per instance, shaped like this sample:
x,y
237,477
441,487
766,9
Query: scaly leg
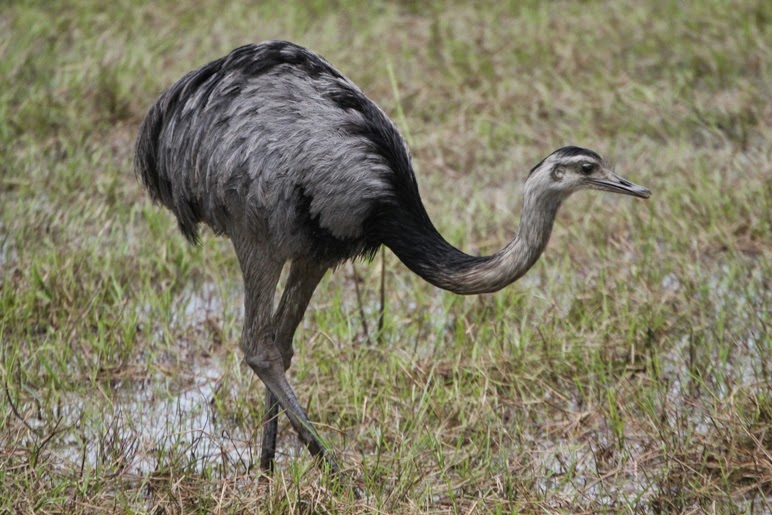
x,y
261,274
272,374
303,278
270,429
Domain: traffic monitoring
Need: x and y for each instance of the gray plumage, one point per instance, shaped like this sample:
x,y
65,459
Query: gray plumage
x,y
260,138
273,147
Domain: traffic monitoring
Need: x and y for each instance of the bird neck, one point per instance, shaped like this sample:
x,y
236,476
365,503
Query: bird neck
x,y
422,249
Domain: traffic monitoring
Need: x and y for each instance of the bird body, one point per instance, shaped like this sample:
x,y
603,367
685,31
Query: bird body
x,y
272,138
273,147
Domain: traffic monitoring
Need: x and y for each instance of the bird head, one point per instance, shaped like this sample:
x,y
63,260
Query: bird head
x,y
571,169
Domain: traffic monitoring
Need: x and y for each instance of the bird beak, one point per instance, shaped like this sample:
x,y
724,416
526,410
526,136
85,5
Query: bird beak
x,y
617,184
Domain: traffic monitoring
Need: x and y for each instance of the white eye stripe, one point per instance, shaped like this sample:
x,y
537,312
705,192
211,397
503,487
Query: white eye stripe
x,y
566,161
578,159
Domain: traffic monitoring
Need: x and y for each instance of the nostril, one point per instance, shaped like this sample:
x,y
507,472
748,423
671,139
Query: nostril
x,y
625,182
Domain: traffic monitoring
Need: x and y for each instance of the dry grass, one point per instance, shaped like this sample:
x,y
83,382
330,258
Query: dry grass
x,y
629,371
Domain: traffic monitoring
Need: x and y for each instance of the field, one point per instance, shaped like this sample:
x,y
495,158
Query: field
x,y
630,371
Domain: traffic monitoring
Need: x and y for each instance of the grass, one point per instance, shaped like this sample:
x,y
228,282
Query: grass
x,y
629,371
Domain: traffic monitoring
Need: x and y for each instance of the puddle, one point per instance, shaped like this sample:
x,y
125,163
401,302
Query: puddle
x,y
569,469
168,418
7,251
671,282
204,302
141,429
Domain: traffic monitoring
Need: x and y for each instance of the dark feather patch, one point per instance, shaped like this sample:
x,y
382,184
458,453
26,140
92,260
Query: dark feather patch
x,y
326,247
348,98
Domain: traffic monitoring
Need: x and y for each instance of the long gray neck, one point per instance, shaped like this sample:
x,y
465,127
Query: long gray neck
x,y
429,255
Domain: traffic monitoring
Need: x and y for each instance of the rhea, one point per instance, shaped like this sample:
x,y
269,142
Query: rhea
x,y
277,150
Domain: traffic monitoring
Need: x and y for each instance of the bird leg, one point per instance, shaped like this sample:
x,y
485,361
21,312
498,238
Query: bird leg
x,y
270,429
265,359
261,272
277,384
303,278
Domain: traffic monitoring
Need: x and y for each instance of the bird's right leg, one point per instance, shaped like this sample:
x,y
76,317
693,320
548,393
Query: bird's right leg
x,y
303,278
261,274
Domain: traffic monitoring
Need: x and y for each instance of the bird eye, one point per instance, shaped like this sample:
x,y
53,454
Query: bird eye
x,y
587,168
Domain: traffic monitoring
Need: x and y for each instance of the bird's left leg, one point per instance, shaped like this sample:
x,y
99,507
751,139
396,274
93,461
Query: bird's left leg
x,y
303,278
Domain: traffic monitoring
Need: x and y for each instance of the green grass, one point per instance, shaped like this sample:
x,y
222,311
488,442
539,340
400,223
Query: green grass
x,y
629,371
